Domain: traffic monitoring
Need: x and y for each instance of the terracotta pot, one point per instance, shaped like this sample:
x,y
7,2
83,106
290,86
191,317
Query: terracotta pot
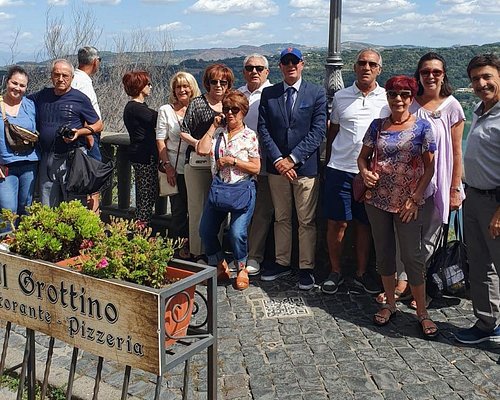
x,y
179,307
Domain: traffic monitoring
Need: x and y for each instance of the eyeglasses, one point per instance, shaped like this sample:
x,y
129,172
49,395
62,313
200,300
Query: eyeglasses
x,y
404,94
290,59
435,72
150,84
99,59
216,82
372,64
234,110
258,68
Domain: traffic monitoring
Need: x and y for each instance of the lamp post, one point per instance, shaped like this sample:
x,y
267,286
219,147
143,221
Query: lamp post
x,y
333,66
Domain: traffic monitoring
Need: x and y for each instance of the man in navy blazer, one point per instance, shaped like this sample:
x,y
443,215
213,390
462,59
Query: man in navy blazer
x,y
292,125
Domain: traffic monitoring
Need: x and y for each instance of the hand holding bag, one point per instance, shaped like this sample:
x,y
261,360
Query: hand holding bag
x,y
229,197
448,264
165,188
19,139
358,184
86,175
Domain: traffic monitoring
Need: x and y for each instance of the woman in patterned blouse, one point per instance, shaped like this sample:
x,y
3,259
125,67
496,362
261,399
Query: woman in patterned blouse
x,y
238,159
395,201
217,80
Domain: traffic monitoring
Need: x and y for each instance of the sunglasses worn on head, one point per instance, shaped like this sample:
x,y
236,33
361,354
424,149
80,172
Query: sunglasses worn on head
x,y
290,59
372,64
404,94
216,82
258,68
234,110
435,72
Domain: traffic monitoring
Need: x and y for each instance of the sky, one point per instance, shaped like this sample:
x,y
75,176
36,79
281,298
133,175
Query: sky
x,y
230,23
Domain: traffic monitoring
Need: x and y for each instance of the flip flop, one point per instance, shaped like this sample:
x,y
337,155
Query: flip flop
x,y
380,319
429,332
242,282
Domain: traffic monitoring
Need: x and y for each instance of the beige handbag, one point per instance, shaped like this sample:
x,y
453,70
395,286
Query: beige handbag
x,y
199,162
166,189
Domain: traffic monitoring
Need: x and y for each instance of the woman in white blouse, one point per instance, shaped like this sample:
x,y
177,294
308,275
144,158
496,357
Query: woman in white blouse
x,y
183,88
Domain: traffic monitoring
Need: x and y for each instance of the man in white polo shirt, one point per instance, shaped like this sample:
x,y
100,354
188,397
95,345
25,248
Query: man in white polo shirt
x,y
255,72
353,109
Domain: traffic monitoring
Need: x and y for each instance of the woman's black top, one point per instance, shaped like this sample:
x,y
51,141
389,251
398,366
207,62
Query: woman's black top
x,y
140,121
197,120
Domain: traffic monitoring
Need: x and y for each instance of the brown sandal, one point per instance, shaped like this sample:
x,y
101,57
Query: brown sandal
x,y
380,319
430,332
242,281
223,273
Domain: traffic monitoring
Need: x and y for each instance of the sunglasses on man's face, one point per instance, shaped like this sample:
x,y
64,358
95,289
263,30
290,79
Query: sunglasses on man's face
x,y
288,60
234,110
258,68
372,64
216,82
404,94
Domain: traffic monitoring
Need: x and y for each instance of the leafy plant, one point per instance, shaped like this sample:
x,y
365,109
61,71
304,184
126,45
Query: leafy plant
x,y
127,251
52,234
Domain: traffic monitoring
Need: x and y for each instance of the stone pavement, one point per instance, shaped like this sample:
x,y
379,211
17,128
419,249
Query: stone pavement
x,y
277,343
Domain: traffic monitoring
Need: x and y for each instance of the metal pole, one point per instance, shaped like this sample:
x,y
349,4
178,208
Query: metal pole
x,y
333,65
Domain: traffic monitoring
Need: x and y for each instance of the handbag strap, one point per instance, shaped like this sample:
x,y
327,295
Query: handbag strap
x,y
180,140
4,114
375,150
458,227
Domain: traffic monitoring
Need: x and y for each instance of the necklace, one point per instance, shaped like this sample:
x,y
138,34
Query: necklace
x,y
402,122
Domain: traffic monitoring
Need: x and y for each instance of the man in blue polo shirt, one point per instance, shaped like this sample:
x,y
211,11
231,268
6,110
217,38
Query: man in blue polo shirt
x,y
58,108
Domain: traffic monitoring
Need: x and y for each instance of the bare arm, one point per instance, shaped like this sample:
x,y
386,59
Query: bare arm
x,y
252,166
457,131
333,130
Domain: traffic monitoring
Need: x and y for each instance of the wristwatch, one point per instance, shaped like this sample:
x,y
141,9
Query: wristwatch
x,y
234,162
455,188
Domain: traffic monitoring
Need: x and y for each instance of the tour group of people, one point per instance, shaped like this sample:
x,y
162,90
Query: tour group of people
x,y
403,140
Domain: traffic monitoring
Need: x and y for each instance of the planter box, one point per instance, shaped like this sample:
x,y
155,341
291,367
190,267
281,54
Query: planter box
x,y
120,321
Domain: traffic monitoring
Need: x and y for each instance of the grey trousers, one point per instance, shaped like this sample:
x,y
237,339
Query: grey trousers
x,y
483,254
386,229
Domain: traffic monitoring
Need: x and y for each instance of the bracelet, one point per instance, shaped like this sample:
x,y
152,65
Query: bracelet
x,y
92,131
455,188
417,203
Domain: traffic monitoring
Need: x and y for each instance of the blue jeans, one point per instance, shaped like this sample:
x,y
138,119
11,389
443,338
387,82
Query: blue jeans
x,y
16,190
210,224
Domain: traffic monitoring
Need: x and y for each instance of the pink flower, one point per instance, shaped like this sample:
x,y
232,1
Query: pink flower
x,y
102,264
86,244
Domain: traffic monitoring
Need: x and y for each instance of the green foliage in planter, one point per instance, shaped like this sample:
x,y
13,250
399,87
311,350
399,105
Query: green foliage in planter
x,y
127,251
53,234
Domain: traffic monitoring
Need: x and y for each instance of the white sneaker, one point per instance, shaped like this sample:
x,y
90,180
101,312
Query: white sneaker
x,y
253,267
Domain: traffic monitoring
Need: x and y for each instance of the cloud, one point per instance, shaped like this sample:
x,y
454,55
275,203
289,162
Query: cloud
x,y
5,16
57,2
244,7
104,2
362,7
159,1
173,26
467,7
10,3
253,26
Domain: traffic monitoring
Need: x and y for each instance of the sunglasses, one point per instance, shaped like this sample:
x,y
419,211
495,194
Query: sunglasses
x,y
258,68
150,84
99,59
372,64
288,60
404,94
435,72
234,110
216,82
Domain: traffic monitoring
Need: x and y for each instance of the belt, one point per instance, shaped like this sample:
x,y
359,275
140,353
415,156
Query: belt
x,y
489,192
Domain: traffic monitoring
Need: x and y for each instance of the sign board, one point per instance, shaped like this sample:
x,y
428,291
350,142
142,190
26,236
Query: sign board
x,y
112,319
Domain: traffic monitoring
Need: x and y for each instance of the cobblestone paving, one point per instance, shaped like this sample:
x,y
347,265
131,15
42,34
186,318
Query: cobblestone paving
x,y
327,348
